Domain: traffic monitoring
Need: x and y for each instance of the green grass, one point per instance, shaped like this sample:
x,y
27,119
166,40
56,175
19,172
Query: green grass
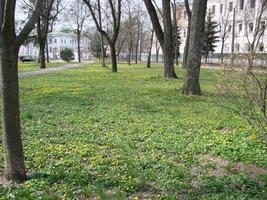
x,y
91,133
24,67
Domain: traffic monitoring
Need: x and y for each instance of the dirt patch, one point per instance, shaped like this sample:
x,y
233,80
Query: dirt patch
x,y
215,166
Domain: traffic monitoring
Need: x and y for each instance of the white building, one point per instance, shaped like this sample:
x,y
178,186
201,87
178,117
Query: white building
x,y
58,41
239,19
245,12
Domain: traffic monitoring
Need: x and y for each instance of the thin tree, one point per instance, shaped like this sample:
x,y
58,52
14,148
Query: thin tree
x,y
224,30
14,169
76,16
191,82
115,12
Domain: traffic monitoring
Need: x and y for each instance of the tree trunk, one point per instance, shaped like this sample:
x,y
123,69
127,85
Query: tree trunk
x,y
186,47
222,49
113,58
191,82
103,62
189,15
157,55
79,45
168,50
47,51
42,54
14,169
150,50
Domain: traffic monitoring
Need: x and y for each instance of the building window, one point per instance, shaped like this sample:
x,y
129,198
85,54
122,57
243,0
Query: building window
x,y
221,8
231,6
55,41
50,49
252,3
250,27
213,9
240,27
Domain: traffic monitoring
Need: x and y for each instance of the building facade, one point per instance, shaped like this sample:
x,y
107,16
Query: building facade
x,y
57,41
238,24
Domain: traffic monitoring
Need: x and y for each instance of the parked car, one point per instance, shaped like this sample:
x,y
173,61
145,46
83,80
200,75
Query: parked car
x,y
26,59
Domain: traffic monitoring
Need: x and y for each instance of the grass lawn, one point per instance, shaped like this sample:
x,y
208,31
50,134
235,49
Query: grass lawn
x,y
89,133
23,67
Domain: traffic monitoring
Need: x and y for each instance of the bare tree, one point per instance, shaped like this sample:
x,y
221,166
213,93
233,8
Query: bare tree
x,y
115,19
191,82
246,87
76,16
224,30
256,30
14,169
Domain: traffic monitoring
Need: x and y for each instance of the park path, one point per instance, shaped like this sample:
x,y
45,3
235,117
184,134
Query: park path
x,y
48,70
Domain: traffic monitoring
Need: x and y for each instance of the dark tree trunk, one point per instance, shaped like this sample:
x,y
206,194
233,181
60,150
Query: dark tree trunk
x,y
79,44
222,49
191,82
148,65
113,58
47,51
42,42
14,169
169,71
157,55
42,54
153,14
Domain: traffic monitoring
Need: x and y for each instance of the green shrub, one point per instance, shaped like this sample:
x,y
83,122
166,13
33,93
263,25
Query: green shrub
x,y
67,55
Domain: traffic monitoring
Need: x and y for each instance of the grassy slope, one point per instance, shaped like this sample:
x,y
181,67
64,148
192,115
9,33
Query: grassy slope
x,y
90,131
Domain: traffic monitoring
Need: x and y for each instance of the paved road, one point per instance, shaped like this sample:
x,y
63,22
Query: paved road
x,y
48,70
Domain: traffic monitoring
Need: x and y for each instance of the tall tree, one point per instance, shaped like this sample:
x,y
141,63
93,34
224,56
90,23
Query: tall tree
x,y
115,19
191,82
14,169
76,16
164,37
210,37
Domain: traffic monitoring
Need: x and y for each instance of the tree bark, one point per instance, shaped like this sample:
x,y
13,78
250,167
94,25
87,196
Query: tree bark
x,y
47,51
148,65
42,41
14,169
189,15
42,53
222,50
113,58
191,81
79,44
155,21
169,71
